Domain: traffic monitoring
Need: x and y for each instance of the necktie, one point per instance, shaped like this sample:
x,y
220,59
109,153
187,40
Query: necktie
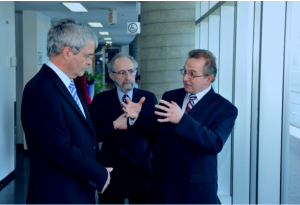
x,y
74,92
124,98
191,103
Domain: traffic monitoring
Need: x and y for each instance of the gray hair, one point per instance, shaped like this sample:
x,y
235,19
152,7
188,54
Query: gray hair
x,y
69,32
210,65
111,64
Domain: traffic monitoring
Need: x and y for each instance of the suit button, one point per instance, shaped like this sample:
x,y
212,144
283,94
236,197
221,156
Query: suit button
x,y
121,150
94,147
133,148
180,133
138,162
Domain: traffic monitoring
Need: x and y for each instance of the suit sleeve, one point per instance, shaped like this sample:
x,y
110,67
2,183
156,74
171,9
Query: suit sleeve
x,y
147,126
49,131
209,139
104,127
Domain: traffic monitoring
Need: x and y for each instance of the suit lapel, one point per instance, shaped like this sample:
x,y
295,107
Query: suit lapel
x,y
114,104
203,104
136,96
63,89
179,97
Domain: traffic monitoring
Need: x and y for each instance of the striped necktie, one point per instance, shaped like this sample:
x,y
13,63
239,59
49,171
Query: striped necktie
x,y
74,92
124,98
191,103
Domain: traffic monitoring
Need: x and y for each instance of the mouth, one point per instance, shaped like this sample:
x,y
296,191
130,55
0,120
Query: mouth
x,y
127,83
186,85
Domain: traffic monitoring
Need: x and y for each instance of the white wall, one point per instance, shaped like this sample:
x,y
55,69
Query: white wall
x,y
35,29
7,89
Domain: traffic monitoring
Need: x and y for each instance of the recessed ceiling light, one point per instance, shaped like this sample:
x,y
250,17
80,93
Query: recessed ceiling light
x,y
107,39
75,7
108,42
95,24
104,33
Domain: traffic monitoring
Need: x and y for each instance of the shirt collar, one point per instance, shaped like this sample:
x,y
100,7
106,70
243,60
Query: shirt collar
x,y
64,78
202,93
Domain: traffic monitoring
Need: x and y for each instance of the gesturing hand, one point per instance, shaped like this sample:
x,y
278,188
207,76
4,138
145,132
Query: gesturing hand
x,y
121,122
174,112
132,109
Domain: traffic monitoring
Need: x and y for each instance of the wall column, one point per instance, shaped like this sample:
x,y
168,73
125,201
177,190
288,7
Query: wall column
x,y
167,35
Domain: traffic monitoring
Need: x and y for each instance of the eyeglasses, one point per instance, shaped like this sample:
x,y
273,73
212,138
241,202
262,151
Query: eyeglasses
x,y
87,56
191,75
123,72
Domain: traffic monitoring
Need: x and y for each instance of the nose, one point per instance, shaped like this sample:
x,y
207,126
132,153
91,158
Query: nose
x,y
186,77
127,75
89,61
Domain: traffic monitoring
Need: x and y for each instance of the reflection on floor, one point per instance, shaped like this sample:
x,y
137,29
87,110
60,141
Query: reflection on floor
x,y
16,191
294,171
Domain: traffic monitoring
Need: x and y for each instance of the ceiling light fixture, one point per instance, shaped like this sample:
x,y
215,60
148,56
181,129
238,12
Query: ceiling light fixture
x,y
104,33
108,42
107,39
95,24
75,7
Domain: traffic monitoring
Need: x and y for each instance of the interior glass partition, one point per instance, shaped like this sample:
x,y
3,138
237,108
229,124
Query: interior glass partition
x,y
290,190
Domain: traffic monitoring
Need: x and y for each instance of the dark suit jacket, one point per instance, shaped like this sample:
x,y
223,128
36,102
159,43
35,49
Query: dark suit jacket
x,y
128,153
186,170
65,161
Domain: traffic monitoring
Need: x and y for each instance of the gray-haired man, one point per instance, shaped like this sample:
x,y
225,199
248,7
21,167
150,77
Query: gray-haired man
x,y
130,154
66,165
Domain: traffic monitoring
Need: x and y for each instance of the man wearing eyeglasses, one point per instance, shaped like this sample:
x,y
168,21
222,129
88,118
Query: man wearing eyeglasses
x,y
66,165
192,125
131,155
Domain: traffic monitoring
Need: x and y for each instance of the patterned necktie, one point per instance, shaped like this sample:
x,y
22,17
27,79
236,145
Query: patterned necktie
x,y
74,92
124,98
191,103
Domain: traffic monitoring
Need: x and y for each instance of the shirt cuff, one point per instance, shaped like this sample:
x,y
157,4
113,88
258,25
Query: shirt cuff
x,y
132,121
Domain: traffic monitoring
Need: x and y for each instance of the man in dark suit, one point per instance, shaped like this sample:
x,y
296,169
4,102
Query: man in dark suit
x,y
192,124
129,154
66,165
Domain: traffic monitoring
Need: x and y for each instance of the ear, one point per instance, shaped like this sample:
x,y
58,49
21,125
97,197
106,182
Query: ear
x,y
209,78
66,51
111,75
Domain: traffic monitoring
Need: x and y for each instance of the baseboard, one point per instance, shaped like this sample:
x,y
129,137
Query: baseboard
x,y
25,153
20,147
8,179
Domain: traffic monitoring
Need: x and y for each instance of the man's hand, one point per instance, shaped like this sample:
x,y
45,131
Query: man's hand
x,y
132,109
109,169
174,112
121,122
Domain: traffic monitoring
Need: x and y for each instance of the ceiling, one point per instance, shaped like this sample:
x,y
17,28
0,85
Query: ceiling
x,y
97,12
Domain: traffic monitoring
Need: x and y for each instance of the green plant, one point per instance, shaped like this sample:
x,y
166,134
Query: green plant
x,y
95,78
